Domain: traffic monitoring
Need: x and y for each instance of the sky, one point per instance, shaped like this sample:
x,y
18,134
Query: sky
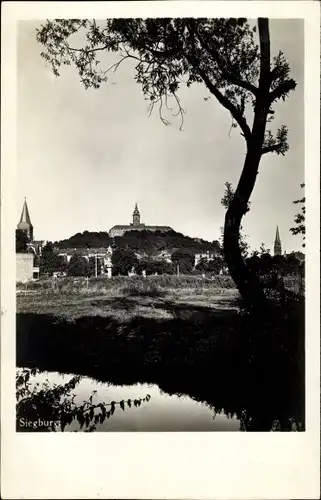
x,y
86,157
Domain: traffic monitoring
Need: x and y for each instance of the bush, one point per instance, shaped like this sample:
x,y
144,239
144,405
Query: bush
x,y
124,285
123,260
77,266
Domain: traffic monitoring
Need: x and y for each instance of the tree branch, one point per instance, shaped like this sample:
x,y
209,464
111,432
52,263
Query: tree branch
x,y
224,101
162,53
271,149
228,75
282,89
117,64
87,51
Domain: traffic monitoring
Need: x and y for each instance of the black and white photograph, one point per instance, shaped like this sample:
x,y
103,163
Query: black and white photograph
x,y
160,250
160,232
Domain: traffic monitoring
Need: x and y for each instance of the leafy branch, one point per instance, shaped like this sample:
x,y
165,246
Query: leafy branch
x,y
222,53
276,144
299,219
56,404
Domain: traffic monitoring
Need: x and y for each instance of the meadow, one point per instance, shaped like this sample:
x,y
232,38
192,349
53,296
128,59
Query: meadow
x,y
124,298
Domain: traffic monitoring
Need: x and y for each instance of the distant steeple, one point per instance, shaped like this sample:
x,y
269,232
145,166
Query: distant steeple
x,y
136,216
277,243
25,221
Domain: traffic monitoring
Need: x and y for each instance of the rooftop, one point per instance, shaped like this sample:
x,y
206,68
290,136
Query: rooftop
x,y
25,217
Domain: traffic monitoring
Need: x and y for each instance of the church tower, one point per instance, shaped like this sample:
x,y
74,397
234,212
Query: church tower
x,y
277,243
136,216
25,222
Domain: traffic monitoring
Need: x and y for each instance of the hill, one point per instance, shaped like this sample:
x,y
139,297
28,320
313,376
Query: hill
x,y
146,242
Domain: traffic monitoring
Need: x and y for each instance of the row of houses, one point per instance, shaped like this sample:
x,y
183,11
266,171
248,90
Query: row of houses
x,y
26,270
104,253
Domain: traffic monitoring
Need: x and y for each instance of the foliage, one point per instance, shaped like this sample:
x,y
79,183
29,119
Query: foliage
x,y
212,266
271,270
221,53
144,242
22,241
50,261
288,264
263,250
153,243
55,408
94,264
183,260
118,286
87,239
300,218
78,266
123,261
154,266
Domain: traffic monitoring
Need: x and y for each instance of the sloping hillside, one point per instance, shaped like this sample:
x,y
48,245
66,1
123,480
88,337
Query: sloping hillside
x,y
141,241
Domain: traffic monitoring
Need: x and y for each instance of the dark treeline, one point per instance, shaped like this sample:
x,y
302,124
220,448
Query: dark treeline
x,y
161,253
140,241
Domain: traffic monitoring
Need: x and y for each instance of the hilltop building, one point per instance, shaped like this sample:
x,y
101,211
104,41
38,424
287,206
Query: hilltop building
x,y
277,243
136,225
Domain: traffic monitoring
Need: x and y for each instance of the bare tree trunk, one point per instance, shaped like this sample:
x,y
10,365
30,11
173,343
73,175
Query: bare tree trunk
x,y
247,283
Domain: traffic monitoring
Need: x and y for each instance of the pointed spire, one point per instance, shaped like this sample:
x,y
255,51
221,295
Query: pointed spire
x,y
136,209
136,216
277,243
25,222
25,217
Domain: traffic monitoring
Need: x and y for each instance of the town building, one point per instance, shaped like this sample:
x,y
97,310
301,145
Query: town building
x,y
164,256
208,256
25,222
25,270
103,254
25,261
136,225
26,226
85,252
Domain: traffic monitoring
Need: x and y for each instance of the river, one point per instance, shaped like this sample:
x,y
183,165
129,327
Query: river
x,y
162,412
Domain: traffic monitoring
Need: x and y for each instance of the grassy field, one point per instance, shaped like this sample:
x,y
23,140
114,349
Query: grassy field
x,y
124,298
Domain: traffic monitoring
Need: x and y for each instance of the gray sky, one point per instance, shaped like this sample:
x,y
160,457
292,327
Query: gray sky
x,y
86,157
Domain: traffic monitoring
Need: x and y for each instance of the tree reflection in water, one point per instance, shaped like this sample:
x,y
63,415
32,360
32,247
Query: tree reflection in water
x,y
48,409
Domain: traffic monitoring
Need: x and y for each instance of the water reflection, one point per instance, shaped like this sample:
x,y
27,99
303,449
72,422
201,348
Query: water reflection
x,y
160,412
